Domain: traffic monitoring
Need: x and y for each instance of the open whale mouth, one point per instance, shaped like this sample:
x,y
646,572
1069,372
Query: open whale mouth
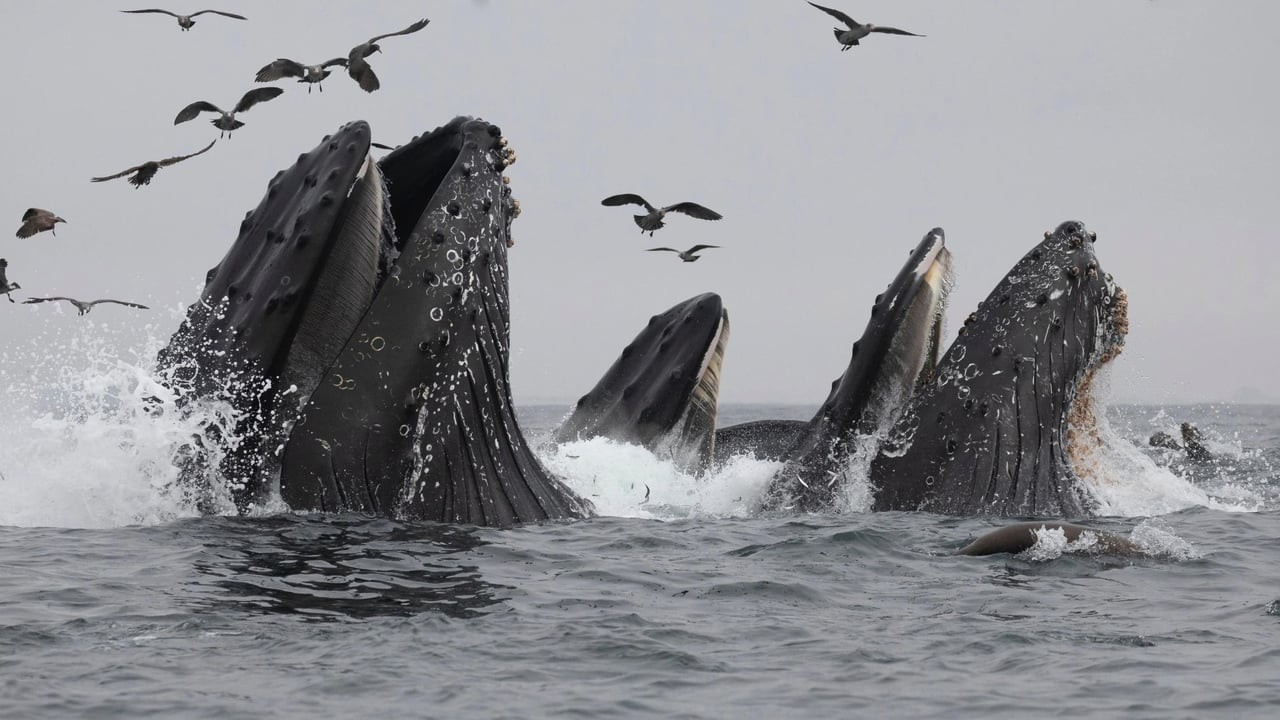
x,y
371,299
310,259
326,294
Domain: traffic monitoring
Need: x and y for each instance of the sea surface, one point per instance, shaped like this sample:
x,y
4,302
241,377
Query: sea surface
x,y
680,600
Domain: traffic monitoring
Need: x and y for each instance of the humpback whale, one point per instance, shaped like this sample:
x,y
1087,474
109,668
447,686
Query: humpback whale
x,y
1005,422
662,392
359,324
897,349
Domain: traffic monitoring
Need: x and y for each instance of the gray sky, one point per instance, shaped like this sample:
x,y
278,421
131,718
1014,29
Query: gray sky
x,y
1150,121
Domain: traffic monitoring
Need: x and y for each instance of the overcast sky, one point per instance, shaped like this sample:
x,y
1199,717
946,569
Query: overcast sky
x,y
1151,121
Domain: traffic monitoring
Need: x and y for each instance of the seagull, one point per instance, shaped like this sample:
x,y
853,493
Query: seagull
x,y
147,170
359,69
227,121
310,74
857,31
35,220
186,21
6,287
690,255
82,306
653,221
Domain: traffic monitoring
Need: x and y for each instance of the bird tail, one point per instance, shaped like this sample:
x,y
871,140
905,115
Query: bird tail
x,y
837,31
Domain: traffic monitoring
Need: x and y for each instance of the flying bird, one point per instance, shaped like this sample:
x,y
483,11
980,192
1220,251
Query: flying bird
x,y
143,173
83,307
35,220
856,30
226,121
652,221
358,68
186,21
690,255
310,74
6,287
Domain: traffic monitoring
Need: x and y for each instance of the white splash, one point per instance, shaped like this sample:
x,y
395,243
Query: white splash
x,y
88,434
1128,483
1152,538
624,480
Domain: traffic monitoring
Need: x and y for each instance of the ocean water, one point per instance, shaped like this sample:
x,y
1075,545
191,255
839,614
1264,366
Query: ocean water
x,y
681,600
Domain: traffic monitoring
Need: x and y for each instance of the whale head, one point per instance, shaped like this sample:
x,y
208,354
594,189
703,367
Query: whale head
x,y
1007,418
897,349
360,323
662,392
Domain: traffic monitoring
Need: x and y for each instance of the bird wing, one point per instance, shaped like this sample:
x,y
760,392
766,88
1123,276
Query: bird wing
x,y
362,72
122,173
838,15
257,95
32,212
892,31
120,302
33,301
219,12
693,210
700,248
281,68
411,29
626,199
151,10
336,61
664,249
194,109
169,161
26,230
